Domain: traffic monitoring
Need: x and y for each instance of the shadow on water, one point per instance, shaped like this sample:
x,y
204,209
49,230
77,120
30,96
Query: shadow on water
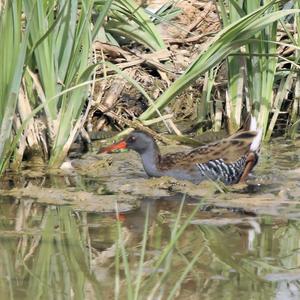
x,y
243,244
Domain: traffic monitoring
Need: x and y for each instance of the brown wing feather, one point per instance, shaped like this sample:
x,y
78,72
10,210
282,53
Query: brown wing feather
x,y
229,149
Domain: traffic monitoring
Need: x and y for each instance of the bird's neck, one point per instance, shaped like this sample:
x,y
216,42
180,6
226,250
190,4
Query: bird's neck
x,y
150,159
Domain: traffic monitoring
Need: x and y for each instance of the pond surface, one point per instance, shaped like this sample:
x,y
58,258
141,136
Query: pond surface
x,y
62,239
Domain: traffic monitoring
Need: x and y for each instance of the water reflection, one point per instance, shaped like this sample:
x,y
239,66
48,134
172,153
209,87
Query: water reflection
x,y
57,253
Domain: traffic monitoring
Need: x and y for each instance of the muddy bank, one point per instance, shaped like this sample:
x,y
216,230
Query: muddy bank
x,y
97,182
79,200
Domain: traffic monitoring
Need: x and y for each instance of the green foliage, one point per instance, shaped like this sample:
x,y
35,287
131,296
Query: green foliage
x,y
127,19
247,24
57,45
12,57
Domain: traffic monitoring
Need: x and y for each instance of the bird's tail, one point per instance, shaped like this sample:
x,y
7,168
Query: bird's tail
x,y
252,156
256,143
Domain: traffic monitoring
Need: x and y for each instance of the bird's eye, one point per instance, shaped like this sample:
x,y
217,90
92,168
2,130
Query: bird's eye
x,y
132,139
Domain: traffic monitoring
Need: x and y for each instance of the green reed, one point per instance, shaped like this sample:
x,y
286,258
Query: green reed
x,y
53,55
247,42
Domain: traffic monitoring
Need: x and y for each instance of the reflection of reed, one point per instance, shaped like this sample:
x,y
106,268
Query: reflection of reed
x,y
150,274
55,262
54,252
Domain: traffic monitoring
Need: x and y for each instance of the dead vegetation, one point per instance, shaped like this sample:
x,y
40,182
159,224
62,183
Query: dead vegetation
x,y
116,102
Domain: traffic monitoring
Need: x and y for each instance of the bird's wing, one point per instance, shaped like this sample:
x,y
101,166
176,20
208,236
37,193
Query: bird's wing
x,y
229,150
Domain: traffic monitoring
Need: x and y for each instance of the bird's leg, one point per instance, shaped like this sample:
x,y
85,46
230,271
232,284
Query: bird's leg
x,y
250,163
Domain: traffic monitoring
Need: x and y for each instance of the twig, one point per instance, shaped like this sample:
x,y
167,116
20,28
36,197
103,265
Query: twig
x,y
134,124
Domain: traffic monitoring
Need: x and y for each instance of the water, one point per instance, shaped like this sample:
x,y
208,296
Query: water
x,y
57,243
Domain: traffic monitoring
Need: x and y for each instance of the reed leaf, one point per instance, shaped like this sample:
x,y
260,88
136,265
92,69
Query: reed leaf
x,y
12,58
142,257
42,19
184,274
235,64
225,42
296,102
122,249
129,20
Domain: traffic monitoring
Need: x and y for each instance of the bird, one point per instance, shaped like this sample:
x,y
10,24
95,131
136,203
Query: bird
x,y
229,160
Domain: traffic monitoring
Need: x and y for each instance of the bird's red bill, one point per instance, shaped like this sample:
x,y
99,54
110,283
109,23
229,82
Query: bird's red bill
x,y
113,147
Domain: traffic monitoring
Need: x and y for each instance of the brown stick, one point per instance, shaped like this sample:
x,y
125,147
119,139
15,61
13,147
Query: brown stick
x,y
133,124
